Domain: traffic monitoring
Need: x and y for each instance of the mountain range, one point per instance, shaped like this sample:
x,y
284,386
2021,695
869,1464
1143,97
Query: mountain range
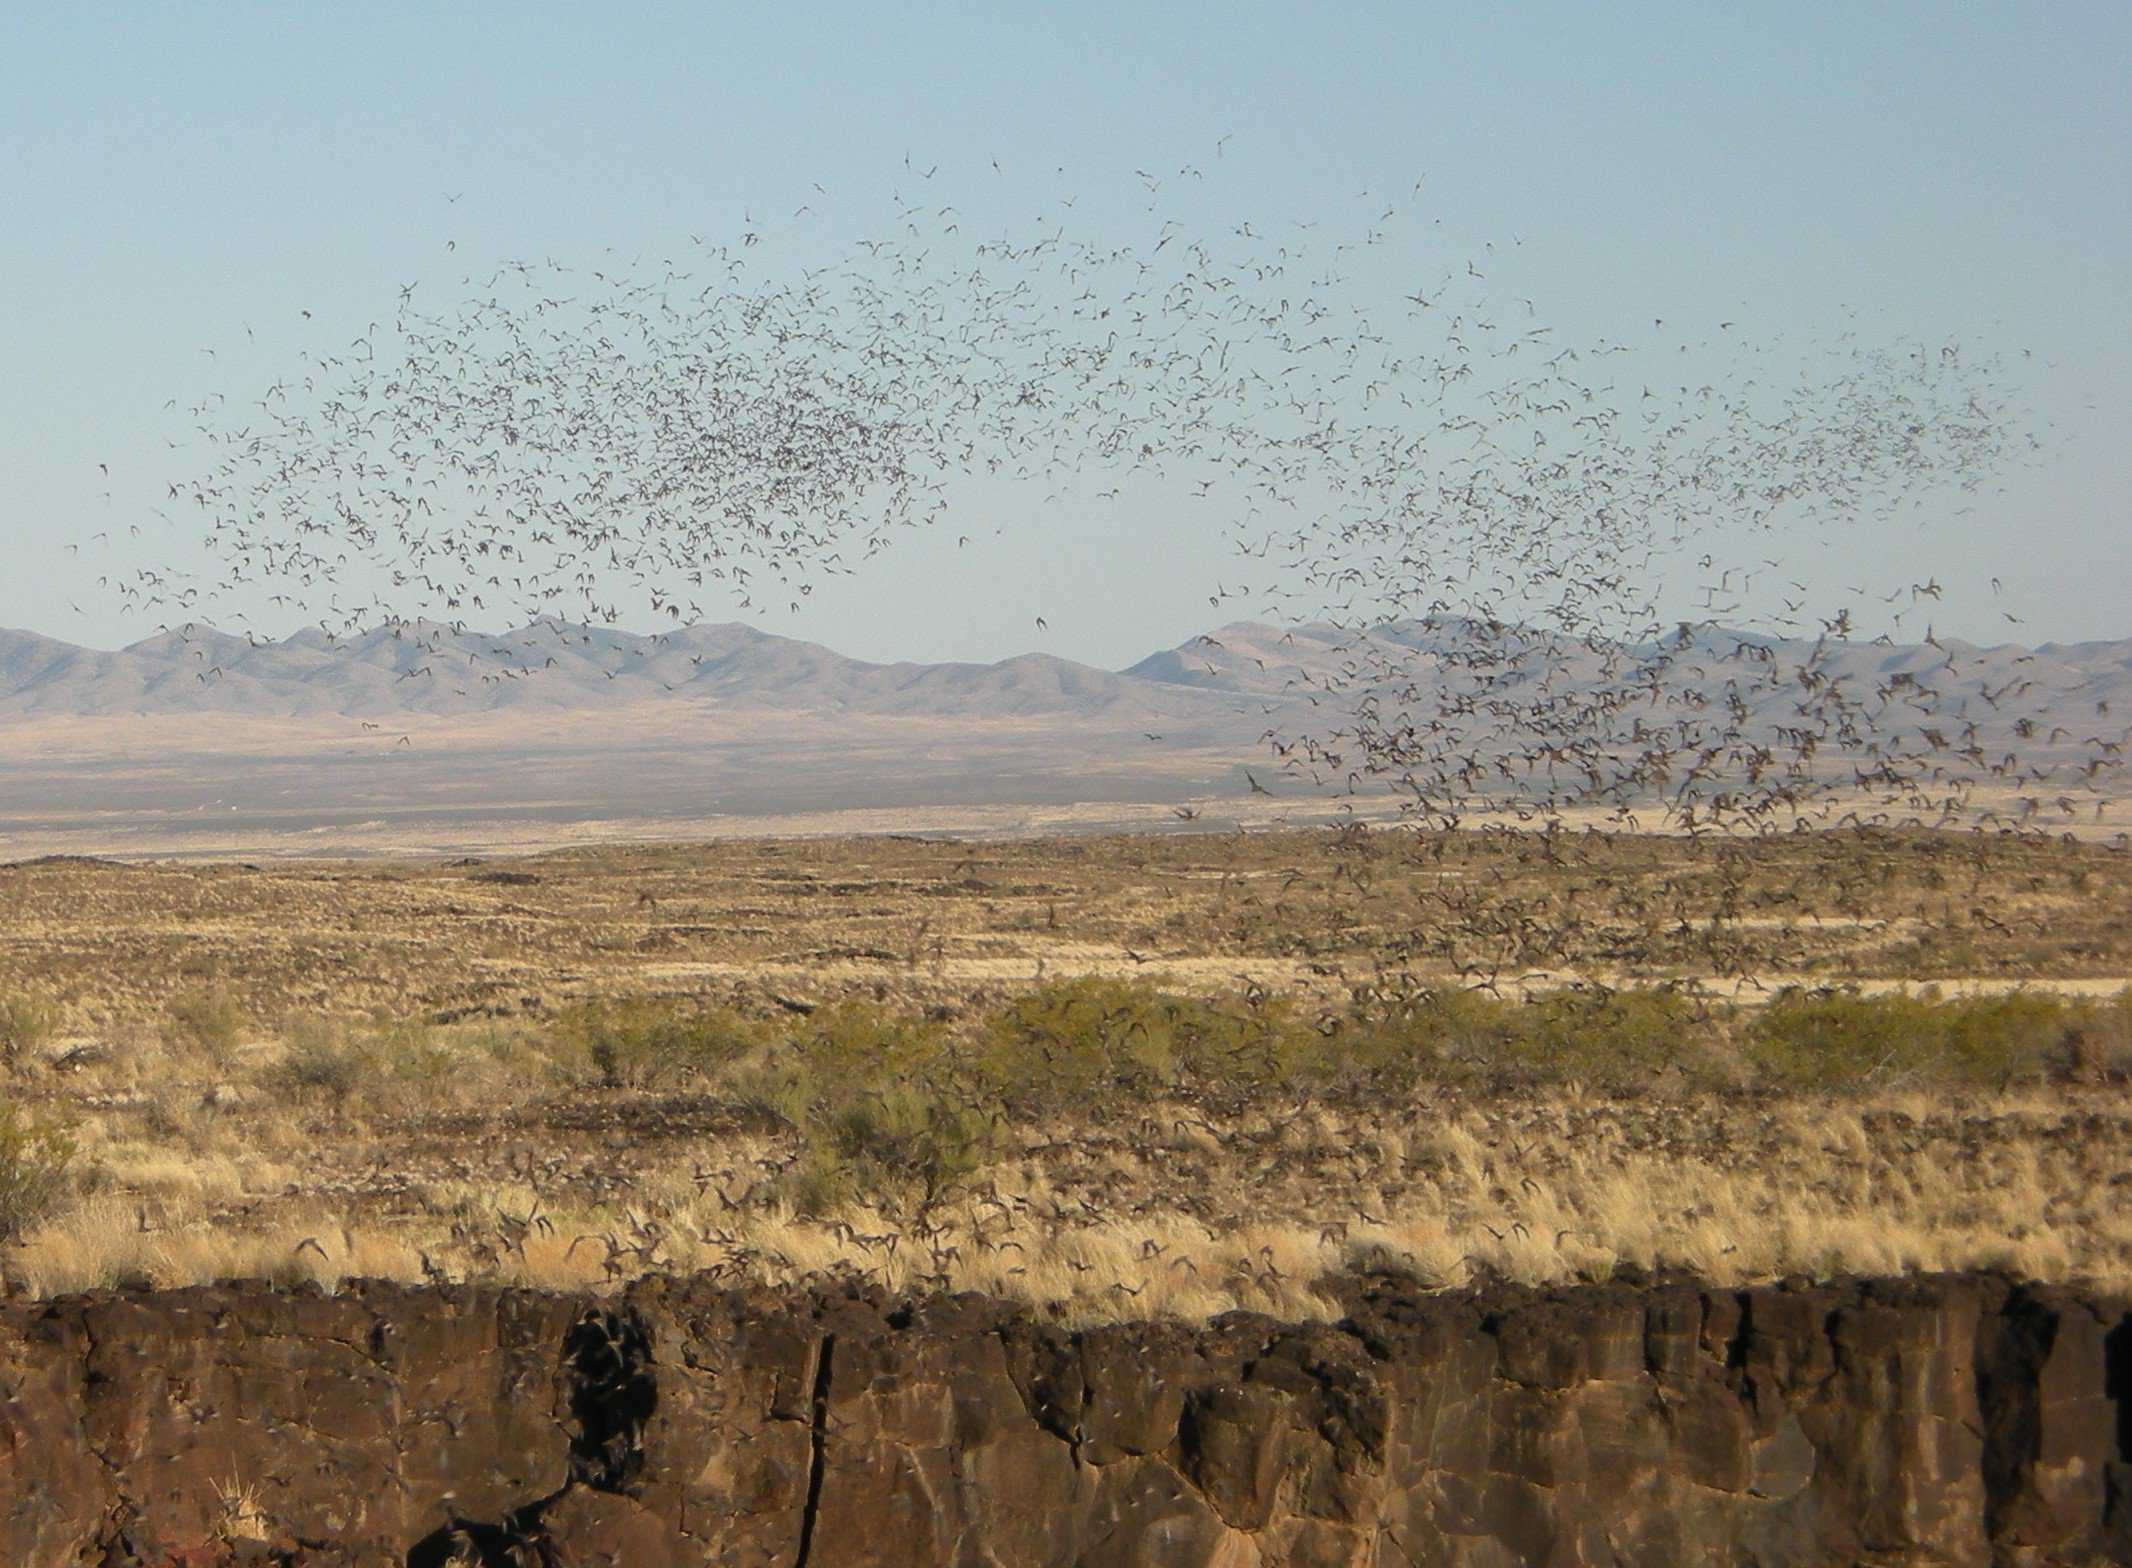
x,y
561,667
421,738
419,668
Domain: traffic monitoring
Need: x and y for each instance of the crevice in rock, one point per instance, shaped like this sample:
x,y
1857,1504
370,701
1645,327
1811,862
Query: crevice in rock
x,y
123,1509
817,1445
607,1355
1742,1334
2117,1382
2011,1349
515,1543
614,1391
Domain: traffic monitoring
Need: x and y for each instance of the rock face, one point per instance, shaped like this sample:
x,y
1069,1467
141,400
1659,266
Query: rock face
x,y
1940,1420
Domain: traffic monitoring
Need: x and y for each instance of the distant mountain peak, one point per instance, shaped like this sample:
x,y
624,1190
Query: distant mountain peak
x,y
554,665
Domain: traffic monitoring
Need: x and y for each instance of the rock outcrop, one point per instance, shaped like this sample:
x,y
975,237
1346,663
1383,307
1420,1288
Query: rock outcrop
x,y
1941,1420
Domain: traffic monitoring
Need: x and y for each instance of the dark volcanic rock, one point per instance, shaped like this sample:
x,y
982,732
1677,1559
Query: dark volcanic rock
x,y
1941,1420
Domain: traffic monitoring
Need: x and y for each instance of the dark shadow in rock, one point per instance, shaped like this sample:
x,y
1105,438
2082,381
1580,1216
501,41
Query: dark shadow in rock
x,y
465,1544
607,1356
2117,1383
613,1393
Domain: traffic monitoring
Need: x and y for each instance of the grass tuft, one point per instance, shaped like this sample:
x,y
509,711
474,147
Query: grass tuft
x,y
208,1021
37,1174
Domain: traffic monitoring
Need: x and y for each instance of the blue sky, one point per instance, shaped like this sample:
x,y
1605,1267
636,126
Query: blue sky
x,y
178,178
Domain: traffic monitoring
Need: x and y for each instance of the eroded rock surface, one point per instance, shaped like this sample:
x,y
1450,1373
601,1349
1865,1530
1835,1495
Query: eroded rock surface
x,y
1938,1420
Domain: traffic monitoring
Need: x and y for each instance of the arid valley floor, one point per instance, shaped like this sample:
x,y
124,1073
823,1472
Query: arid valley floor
x,y
1117,1078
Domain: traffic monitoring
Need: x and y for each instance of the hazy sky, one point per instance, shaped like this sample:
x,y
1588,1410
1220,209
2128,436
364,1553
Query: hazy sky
x,y
174,178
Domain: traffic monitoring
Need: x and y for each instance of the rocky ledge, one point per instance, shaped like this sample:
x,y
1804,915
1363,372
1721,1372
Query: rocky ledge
x,y
1944,1420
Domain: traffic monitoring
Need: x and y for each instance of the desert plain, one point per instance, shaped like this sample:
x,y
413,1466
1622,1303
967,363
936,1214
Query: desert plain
x,y
1114,1076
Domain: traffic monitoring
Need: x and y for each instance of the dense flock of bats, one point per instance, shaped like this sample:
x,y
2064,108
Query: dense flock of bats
x,y
1494,513
1501,519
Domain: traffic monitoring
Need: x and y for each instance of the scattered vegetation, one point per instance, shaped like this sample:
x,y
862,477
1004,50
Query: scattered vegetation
x,y
36,1171
1189,1090
209,1021
1070,1036
1842,1038
1068,1044
25,1025
643,1044
332,1063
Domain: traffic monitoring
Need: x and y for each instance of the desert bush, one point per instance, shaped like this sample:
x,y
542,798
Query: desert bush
x,y
1074,1042
1065,1040
1074,1034
1071,1034
321,1063
333,1061
855,1042
891,1146
25,1024
819,1183
407,1052
634,1044
36,1171
1611,1036
1445,1028
2099,1039
162,1117
208,1021
1839,1037
778,1088
882,1102
517,1049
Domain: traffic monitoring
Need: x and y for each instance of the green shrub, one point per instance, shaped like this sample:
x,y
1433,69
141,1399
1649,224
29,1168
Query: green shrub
x,y
323,1064
1616,1036
780,1089
1072,1034
820,1182
891,1146
25,1024
1449,1028
334,1062
883,1103
1611,1035
518,1049
210,1021
841,1051
2099,1038
407,1051
852,1042
36,1171
1075,1034
1844,1037
638,1044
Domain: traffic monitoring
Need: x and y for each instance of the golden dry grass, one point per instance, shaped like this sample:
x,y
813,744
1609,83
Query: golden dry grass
x,y
1187,1215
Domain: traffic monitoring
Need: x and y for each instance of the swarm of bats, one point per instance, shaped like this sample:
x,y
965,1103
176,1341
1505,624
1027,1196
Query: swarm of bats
x,y
1503,520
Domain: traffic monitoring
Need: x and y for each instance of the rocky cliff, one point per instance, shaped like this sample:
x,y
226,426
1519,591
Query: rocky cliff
x,y
1944,1420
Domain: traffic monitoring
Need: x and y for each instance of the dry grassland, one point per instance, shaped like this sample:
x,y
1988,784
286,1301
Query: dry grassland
x,y
1124,1077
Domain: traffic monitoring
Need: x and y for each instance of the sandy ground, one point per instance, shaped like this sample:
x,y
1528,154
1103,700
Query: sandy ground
x,y
228,787
197,788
